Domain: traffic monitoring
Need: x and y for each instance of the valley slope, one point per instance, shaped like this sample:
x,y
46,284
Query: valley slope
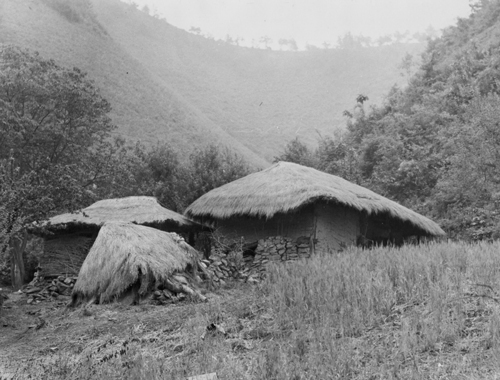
x,y
169,85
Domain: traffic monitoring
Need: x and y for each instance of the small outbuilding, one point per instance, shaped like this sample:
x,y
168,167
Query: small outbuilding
x,y
307,205
132,260
69,237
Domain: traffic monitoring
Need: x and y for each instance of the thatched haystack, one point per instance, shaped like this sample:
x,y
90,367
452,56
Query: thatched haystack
x,y
131,258
293,200
68,237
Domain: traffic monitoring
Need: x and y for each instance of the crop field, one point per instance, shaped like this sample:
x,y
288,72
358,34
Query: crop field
x,y
418,312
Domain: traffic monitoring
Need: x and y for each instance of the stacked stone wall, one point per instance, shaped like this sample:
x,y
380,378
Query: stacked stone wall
x,y
223,266
279,248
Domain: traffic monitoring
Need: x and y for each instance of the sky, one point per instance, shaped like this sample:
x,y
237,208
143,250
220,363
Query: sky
x,y
307,21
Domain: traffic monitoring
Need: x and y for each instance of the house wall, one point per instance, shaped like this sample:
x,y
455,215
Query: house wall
x,y
333,226
293,225
65,254
337,227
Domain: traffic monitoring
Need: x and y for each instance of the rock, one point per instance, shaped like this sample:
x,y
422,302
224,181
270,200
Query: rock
x,y
257,333
63,289
157,294
239,345
167,293
67,281
180,279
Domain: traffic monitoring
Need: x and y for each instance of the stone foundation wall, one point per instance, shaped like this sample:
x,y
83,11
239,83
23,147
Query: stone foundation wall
x,y
223,266
279,248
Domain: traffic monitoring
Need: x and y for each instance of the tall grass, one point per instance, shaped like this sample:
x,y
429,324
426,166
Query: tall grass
x,y
404,302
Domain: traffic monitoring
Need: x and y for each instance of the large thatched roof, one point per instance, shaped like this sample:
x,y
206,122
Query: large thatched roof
x,y
123,253
138,210
285,187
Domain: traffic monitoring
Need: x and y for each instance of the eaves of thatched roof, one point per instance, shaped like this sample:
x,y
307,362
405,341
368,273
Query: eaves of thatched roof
x,y
123,252
138,209
284,187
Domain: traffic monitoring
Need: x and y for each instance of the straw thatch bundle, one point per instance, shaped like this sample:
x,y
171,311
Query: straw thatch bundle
x,y
138,209
126,255
285,187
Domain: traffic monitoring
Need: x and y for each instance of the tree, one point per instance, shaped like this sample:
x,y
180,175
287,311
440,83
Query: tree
x,y
266,41
54,148
195,30
288,43
211,167
298,152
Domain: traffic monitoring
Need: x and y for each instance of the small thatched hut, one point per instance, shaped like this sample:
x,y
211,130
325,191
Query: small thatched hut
x,y
294,201
127,258
71,235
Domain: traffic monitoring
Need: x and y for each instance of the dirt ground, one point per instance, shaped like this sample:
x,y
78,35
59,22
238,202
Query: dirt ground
x,y
35,338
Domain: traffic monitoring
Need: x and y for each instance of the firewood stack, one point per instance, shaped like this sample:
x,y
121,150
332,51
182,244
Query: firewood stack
x,y
41,289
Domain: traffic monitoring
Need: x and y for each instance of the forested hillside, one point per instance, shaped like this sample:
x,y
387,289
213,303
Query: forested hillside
x,y
435,144
169,85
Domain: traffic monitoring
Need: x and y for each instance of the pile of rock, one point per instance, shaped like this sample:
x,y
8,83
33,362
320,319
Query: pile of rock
x,y
222,267
42,290
161,297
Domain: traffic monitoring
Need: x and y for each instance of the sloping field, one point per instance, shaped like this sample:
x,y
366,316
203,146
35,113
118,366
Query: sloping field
x,y
429,312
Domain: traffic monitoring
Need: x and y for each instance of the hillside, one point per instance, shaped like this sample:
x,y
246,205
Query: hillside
x,y
144,108
263,98
166,84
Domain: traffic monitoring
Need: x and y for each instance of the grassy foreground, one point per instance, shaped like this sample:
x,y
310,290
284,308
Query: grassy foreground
x,y
428,312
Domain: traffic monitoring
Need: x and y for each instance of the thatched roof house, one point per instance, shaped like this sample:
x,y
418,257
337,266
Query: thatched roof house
x,y
128,257
72,234
138,209
292,200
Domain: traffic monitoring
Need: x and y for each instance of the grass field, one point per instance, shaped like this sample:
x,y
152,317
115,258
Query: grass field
x,y
428,312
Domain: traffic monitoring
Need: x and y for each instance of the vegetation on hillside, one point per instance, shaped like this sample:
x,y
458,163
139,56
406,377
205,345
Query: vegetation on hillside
x,y
433,145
